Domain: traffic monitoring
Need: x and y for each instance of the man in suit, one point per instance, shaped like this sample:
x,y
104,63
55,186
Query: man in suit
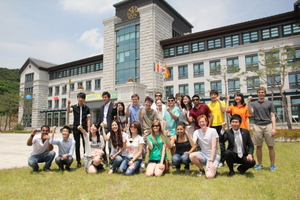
x,y
107,113
240,147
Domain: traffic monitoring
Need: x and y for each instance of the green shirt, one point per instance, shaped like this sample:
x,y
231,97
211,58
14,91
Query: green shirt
x,y
155,153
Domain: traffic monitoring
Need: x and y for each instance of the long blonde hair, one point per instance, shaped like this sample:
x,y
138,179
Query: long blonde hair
x,y
162,135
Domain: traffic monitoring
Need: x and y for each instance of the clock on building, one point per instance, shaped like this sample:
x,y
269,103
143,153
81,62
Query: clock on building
x,y
132,12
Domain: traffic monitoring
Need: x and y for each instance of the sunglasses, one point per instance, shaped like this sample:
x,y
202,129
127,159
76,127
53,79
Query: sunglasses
x,y
158,95
132,127
155,125
195,99
171,100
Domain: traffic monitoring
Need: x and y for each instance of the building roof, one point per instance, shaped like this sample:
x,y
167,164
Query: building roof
x,y
41,65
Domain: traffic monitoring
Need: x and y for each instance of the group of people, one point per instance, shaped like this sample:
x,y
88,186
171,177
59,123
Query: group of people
x,y
192,131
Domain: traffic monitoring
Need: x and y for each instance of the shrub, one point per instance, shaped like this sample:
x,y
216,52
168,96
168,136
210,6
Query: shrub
x,y
19,127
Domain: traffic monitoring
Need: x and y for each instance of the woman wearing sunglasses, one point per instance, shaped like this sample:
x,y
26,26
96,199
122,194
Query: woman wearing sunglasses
x,y
157,141
134,148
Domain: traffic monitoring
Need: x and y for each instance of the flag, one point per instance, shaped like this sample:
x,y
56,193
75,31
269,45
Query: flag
x,y
165,69
156,67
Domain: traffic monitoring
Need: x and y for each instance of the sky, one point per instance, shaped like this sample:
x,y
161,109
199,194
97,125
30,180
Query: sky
x,y
62,31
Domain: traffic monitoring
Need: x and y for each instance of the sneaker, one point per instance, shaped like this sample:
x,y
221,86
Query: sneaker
x,y
173,166
258,167
200,173
143,165
78,165
272,168
47,170
141,170
110,171
220,165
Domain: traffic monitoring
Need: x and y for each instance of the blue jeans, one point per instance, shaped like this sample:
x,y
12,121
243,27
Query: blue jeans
x,y
129,169
46,157
177,159
116,162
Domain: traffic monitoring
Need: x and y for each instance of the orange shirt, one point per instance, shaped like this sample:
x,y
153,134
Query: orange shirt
x,y
243,112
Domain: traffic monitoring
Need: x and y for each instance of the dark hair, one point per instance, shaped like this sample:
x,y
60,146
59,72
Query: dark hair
x,y
236,117
81,95
171,97
181,124
214,92
242,100
149,99
190,102
135,95
45,126
97,132
66,127
138,126
195,95
106,93
116,138
158,93
122,111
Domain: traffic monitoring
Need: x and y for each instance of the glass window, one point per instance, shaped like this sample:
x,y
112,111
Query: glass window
x,y
199,46
214,44
198,69
270,33
88,85
234,86
296,57
169,52
184,89
49,119
232,65
97,84
291,29
56,103
72,87
50,91
253,83
56,90
29,77
250,37
62,118
182,72
215,67
199,89
49,104
55,119
169,90
184,49
294,80
251,62
216,85
232,41
64,89
63,102
274,81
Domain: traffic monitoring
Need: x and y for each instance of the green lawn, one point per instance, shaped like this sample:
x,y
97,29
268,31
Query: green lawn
x,y
283,184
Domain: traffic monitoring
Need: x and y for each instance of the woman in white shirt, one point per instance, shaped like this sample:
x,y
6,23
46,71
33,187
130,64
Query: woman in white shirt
x,y
134,148
94,144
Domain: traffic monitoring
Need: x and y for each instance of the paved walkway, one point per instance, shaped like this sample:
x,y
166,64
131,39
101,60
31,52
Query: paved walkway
x,y
14,151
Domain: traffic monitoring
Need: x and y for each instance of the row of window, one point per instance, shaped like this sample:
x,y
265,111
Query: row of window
x,y
56,119
233,40
56,104
76,71
234,85
88,87
29,77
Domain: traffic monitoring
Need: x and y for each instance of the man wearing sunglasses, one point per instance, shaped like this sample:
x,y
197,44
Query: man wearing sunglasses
x,y
197,110
158,95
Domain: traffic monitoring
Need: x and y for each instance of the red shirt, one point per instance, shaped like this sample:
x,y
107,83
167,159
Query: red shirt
x,y
202,110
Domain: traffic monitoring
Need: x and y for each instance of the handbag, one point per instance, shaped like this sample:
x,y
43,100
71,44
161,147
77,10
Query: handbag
x,y
167,165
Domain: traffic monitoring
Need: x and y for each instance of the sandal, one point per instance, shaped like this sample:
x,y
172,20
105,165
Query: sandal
x,y
200,173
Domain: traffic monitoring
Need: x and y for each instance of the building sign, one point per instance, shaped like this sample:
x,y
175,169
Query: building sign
x,y
98,96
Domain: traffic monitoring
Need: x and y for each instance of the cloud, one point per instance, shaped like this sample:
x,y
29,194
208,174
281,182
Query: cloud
x,y
92,38
89,6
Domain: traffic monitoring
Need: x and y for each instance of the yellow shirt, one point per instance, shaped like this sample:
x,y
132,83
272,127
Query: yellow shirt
x,y
217,113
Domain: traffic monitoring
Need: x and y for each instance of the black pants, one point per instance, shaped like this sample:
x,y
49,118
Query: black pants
x,y
77,134
221,142
104,149
68,161
232,157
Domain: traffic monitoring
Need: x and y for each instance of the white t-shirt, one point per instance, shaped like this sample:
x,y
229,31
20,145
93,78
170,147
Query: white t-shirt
x,y
113,150
133,145
90,146
205,140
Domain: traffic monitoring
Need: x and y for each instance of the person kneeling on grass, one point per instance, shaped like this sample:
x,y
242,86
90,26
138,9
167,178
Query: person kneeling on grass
x,y
207,138
134,148
184,146
94,144
157,142
66,148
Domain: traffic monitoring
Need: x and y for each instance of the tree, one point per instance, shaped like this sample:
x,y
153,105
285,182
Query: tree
x,y
277,64
9,107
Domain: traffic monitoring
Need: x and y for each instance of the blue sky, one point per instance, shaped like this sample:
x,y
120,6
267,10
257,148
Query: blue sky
x,y
61,31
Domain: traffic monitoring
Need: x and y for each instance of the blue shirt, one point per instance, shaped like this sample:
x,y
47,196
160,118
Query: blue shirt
x,y
64,147
134,113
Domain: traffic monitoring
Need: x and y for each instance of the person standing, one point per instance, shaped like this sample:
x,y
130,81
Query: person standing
x,y
264,126
42,149
82,116
133,109
217,108
158,95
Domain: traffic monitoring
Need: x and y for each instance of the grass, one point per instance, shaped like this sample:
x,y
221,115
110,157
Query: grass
x,y
19,183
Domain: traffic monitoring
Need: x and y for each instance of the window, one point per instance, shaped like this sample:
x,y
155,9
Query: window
x,y
98,66
198,69
215,67
233,86
250,37
171,74
28,90
291,29
56,90
199,89
49,119
232,65
272,59
214,44
169,90
253,83
55,119
79,85
270,33
295,106
251,62
79,70
62,118
184,89
56,103
49,104
64,89
50,91
182,72
296,57
83,70
72,87
63,103
232,41
199,46
170,52
274,81
97,84
184,49
88,85
294,80
216,85
29,77
88,69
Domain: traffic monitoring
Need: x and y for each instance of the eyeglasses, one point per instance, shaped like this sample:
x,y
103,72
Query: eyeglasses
x,y
171,100
132,127
155,125
158,95
195,99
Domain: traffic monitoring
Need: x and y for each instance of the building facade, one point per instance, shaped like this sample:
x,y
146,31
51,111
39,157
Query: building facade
x,y
145,32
